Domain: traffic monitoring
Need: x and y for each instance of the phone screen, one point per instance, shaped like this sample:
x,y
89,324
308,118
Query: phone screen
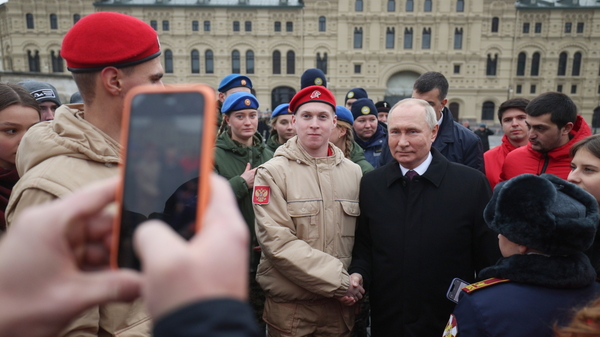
x,y
161,165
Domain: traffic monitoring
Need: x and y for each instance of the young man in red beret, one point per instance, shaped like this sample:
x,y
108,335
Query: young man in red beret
x,y
108,54
306,204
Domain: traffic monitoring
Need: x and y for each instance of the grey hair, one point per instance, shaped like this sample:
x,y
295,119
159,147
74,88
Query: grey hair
x,y
430,117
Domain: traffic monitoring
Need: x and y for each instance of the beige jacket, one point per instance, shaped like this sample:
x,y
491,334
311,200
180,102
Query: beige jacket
x,y
306,230
54,159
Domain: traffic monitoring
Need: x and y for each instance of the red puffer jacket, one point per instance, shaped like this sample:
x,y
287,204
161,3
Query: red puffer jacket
x,y
494,159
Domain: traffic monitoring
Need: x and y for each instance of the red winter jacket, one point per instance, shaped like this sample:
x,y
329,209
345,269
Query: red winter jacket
x,y
494,159
557,162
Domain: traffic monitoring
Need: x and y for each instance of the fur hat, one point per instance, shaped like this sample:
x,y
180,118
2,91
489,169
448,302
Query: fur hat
x,y
544,213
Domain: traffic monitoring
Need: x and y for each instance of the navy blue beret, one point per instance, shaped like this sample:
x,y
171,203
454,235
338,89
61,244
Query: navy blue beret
x,y
234,81
344,114
281,109
239,101
356,93
313,76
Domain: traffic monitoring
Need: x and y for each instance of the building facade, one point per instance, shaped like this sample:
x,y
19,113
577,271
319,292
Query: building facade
x,y
490,50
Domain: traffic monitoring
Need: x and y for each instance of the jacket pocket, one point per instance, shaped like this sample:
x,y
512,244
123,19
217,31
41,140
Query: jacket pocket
x,y
305,215
350,212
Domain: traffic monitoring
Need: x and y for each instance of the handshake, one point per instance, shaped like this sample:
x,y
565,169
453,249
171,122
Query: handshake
x,y
355,290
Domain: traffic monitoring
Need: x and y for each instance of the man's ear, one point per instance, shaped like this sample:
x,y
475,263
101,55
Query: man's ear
x,y
444,102
567,128
222,97
111,81
434,132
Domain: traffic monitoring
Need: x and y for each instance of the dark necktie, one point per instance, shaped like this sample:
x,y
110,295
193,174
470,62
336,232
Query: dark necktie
x,y
410,174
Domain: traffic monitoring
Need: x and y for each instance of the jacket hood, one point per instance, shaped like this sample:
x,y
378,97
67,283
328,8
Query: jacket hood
x,y
379,134
292,150
580,130
67,135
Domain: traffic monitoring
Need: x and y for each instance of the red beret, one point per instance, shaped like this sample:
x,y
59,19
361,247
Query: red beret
x,y
314,93
106,39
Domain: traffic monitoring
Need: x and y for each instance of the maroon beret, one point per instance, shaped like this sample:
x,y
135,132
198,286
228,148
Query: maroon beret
x,y
105,39
314,93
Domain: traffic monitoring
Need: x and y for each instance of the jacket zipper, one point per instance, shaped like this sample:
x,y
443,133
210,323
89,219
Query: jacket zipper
x,y
546,161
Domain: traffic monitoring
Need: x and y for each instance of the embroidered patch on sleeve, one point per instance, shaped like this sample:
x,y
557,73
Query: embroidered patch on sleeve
x,y
261,195
451,328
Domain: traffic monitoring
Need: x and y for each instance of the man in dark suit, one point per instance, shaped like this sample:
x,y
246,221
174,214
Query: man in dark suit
x,y
421,225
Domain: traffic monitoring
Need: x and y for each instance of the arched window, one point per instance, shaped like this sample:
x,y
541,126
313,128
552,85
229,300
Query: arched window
x,y
249,62
492,63
322,24
576,64
281,95
276,62
57,62
521,60
487,111
168,61
29,19
209,62
53,21
322,62
358,5
358,38
291,62
454,109
495,24
76,18
428,6
34,61
562,64
195,56
426,41
460,5
458,38
235,62
408,32
391,5
390,37
535,64
410,5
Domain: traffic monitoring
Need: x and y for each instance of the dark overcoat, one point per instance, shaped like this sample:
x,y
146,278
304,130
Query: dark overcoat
x,y
414,237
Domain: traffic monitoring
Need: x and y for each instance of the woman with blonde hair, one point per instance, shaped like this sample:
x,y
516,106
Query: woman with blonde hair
x,y
343,137
281,127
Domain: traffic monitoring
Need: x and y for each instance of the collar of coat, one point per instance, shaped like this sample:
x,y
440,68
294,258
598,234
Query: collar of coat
x,y
446,129
435,172
292,150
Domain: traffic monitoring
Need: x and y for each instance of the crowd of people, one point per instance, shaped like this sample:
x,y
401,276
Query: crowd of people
x,y
344,217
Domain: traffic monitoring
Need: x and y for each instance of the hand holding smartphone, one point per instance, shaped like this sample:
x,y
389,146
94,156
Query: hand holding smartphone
x,y
168,137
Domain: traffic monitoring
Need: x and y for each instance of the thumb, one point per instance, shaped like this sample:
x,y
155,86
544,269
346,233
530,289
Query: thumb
x,y
96,288
156,243
248,167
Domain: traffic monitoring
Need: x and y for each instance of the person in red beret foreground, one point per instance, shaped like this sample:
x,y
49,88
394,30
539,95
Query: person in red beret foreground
x,y
306,203
108,54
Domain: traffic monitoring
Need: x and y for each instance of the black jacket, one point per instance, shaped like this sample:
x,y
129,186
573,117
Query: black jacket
x,y
413,237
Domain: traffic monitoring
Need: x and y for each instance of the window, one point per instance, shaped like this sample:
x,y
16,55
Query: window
x,y
291,62
322,24
487,111
195,26
526,28
390,36
195,56
236,26
426,41
34,61
519,88
358,6
165,25
576,64
276,62
249,62
458,38
277,27
535,64
57,62
322,62
289,26
358,38
248,26
235,62
495,24
579,27
207,26
457,68
532,89
168,61
428,5
209,62
455,110
573,89
391,5
153,24
76,18
568,27
410,5
408,34
29,19
538,27
53,21
460,5
521,61
559,88
492,63
357,68
562,64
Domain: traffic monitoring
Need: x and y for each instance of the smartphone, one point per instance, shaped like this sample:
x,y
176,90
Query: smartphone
x,y
455,289
168,137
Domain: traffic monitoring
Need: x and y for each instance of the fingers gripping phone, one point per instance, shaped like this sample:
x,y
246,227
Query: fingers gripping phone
x,y
168,137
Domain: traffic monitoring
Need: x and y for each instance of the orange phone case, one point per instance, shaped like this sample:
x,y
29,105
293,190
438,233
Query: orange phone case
x,y
206,159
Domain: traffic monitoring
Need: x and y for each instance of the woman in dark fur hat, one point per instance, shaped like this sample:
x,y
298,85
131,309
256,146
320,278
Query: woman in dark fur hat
x,y
544,225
